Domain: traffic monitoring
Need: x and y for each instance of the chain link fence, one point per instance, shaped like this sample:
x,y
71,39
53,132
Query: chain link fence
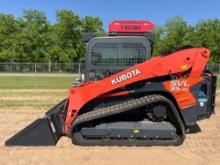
x,y
39,75
74,68
41,67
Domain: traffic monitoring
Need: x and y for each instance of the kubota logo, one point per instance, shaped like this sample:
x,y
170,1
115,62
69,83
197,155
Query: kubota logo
x,y
126,76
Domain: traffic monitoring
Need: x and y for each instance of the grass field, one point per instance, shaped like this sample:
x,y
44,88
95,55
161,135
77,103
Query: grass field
x,y
41,81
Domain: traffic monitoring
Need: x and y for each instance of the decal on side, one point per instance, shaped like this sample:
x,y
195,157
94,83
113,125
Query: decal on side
x,y
179,85
125,76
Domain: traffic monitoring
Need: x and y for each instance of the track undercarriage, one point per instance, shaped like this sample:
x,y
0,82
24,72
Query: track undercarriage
x,y
107,125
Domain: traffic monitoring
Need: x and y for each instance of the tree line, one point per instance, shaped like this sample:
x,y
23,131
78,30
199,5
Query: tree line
x,y
176,33
32,38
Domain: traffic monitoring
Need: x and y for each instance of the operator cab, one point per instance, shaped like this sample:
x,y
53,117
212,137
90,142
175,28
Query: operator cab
x,y
128,43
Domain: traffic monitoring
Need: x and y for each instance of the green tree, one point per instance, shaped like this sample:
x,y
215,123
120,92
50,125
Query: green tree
x,y
31,41
8,31
173,35
207,34
157,34
91,25
66,45
31,38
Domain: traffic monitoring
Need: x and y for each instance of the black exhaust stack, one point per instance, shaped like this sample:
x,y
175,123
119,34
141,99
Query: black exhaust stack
x,y
45,131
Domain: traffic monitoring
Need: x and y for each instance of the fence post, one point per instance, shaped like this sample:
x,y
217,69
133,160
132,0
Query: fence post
x,y
35,71
79,70
49,65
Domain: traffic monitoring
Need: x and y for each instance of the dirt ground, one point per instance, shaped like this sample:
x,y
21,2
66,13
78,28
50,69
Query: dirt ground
x,y
201,148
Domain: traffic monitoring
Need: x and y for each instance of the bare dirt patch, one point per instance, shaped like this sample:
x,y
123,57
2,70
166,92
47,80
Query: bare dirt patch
x,y
200,148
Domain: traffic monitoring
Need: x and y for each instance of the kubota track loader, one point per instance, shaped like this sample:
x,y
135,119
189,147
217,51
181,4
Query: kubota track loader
x,y
127,98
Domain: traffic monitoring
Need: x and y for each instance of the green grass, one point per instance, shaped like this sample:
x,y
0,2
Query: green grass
x,y
40,82
33,92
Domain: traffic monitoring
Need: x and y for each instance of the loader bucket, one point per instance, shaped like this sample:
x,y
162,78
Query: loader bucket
x,y
44,131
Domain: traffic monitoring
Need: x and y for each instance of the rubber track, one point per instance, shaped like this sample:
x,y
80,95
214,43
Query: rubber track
x,y
120,108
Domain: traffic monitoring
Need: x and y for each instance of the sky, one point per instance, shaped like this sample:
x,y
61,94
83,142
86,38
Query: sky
x,y
157,11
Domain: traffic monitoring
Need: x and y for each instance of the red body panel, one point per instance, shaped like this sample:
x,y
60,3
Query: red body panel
x,y
175,63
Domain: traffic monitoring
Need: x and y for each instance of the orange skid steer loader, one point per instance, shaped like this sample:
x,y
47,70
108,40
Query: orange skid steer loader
x,y
126,98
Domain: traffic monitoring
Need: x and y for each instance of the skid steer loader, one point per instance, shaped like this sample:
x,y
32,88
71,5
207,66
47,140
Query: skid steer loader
x,y
126,98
